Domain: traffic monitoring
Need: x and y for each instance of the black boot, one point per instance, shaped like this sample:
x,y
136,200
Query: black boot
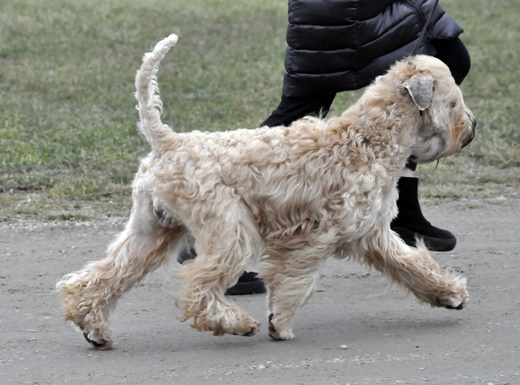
x,y
248,283
410,222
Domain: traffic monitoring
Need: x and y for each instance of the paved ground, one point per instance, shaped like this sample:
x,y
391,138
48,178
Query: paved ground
x,y
355,330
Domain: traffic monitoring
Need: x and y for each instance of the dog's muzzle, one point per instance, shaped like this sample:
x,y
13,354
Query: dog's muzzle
x,y
473,122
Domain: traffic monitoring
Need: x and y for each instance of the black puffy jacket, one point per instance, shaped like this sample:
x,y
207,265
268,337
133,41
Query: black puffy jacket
x,y
340,45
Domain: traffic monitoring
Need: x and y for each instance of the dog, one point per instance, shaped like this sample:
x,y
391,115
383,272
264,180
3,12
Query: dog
x,y
284,197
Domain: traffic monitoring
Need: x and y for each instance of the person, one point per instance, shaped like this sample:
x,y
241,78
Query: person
x,y
343,45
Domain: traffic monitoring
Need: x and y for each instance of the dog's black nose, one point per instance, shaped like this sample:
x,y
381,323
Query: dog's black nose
x,y
473,124
473,130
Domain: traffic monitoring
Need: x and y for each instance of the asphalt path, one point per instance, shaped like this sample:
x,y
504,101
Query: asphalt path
x,y
356,329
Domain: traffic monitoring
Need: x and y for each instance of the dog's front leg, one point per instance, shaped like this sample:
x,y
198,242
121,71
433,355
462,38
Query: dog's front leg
x,y
291,279
417,271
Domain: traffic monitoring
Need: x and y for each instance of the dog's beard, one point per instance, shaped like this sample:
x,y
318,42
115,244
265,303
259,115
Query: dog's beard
x,y
429,149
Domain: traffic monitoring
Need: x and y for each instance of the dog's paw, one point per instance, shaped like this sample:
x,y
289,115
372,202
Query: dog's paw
x,y
98,342
281,336
248,329
458,298
237,326
458,301
276,334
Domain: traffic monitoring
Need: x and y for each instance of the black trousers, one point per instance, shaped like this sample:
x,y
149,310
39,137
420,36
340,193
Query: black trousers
x,y
452,52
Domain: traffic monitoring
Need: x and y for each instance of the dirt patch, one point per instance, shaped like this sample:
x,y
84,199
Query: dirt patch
x,y
355,330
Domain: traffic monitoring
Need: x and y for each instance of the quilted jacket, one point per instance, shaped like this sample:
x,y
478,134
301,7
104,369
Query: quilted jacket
x,y
340,45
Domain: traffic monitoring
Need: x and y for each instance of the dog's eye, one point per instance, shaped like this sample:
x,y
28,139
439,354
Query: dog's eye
x,y
453,104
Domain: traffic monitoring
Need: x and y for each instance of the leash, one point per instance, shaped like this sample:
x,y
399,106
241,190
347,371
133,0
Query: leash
x,y
425,28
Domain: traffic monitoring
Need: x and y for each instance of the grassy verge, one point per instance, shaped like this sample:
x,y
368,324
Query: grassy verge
x,y
69,146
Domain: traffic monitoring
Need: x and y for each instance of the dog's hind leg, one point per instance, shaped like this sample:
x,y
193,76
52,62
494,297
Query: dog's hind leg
x,y
226,244
89,296
417,271
291,279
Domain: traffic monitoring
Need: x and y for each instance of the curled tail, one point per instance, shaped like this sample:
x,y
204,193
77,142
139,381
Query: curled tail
x,y
147,95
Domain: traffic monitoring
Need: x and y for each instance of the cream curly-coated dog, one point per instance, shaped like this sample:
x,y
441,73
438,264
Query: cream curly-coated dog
x,y
289,197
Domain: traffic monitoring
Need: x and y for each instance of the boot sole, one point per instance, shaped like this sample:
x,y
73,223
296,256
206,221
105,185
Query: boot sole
x,y
244,288
432,244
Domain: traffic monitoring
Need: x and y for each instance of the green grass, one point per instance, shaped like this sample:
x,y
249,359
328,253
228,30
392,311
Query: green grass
x,y
68,142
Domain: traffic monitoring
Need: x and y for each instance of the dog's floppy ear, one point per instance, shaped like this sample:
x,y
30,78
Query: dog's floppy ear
x,y
420,88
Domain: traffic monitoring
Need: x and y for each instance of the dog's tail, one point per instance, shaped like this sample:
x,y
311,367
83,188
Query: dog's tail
x,y
147,95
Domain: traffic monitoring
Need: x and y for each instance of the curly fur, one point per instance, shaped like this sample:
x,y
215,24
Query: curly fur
x,y
289,197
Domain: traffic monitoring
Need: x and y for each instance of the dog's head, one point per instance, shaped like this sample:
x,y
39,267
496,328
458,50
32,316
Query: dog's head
x,y
446,124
